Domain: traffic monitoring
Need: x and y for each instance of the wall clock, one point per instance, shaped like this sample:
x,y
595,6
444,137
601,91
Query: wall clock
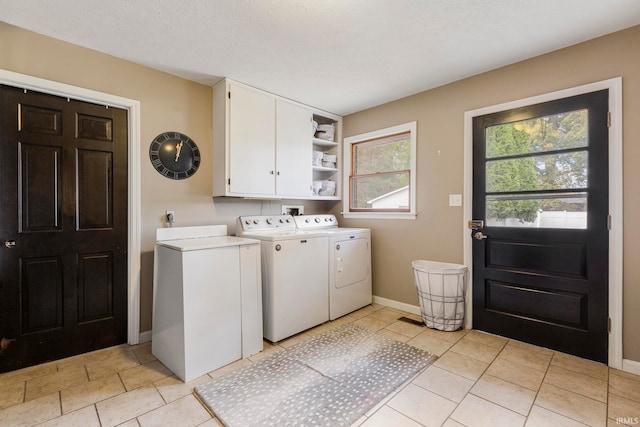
x,y
174,155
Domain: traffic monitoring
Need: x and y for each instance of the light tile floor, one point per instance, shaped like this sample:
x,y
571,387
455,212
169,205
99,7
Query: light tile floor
x,y
479,380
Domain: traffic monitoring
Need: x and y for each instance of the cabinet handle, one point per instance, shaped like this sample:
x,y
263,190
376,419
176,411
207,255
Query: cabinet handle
x,y
271,172
278,173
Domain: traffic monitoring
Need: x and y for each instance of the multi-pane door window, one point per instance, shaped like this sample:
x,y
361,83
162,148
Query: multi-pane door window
x,y
381,171
536,172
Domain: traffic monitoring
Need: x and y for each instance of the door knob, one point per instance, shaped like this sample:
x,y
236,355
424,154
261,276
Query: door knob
x,y
479,235
10,243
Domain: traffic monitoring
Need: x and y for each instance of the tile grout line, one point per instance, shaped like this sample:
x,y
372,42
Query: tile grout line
x,y
550,410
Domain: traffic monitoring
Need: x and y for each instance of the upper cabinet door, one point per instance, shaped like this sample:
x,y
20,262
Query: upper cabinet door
x,y
294,134
252,120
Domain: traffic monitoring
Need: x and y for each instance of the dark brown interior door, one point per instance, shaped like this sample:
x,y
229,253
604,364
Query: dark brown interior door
x,y
63,227
540,261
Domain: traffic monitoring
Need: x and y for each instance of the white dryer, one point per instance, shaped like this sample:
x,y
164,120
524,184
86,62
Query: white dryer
x,y
294,274
349,263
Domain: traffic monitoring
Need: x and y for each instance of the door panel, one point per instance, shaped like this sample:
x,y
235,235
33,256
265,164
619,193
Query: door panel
x,y
40,188
550,258
63,180
95,287
95,186
42,294
252,128
293,149
540,266
351,261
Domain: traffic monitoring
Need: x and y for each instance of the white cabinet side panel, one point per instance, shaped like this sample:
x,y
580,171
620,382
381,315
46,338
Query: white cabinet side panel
x,y
168,310
250,281
220,152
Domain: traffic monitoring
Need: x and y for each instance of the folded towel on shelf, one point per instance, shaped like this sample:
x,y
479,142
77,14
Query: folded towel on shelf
x,y
326,132
329,157
328,164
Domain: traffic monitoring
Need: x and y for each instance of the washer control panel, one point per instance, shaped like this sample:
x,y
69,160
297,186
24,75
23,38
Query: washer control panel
x,y
265,223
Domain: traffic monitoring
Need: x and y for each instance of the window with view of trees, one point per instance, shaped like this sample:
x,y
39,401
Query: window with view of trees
x,y
536,172
382,171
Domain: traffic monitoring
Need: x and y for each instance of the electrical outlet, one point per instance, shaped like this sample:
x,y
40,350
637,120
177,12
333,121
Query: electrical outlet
x,y
292,210
170,214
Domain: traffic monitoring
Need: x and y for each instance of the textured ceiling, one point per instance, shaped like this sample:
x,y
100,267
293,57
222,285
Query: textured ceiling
x,y
338,55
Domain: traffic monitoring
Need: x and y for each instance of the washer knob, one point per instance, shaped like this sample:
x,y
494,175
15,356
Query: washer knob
x,y
269,221
248,221
307,220
317,219
255,221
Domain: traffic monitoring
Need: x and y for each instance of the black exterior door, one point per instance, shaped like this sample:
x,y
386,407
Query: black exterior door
x,y
63,227
540,258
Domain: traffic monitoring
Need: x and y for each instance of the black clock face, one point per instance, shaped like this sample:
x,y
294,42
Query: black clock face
x,y
174,155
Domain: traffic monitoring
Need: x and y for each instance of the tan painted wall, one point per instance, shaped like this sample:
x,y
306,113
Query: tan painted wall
x,y
436,233
166,103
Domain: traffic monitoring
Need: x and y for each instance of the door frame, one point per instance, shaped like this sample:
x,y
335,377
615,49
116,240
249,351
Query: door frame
x,y
614,86
24,81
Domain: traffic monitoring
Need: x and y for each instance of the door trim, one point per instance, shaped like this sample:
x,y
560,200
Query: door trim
x,y
614,86
24,81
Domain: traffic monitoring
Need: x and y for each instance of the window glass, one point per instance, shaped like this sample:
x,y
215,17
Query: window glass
x,y
383,155
536,170
549,133
567,210
381,191
548,172
381,173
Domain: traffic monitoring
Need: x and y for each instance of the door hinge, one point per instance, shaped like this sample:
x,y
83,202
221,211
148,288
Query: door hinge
x,y
229,94
608,222
609,119
229,181
609,324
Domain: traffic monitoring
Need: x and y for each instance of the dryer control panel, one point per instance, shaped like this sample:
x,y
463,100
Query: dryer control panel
x,y
312,222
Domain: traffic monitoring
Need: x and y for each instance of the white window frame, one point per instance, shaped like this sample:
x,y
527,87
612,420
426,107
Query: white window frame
x,y
410,127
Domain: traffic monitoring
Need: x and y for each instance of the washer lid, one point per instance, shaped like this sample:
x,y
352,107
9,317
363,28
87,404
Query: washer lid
x,y
198,244
177,233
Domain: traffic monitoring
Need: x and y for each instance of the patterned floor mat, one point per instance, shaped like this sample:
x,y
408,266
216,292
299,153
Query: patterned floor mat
x,y
329,380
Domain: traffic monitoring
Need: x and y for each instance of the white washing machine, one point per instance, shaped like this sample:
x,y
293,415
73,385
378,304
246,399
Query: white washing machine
x,y
207,299
294,274
349,265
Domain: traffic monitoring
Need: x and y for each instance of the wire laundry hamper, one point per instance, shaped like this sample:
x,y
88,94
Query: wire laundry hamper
x,y
441,288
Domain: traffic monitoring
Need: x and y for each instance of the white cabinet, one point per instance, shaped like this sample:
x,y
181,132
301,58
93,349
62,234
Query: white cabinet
x,y
263,145
293,131
207,300
252,127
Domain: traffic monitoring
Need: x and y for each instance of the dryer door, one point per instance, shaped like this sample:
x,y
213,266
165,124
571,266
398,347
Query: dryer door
x,y
351,261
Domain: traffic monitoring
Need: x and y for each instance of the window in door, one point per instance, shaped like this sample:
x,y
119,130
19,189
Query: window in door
x,y
536,172
380,173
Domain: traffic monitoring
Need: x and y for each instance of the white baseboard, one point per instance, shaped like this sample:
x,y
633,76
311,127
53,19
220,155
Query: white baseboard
x,y
145,336
631,366
413,309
